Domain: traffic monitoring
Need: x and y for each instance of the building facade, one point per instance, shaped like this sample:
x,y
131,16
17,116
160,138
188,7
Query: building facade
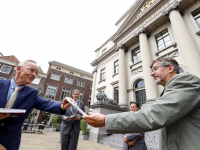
x,y
149,29
62,80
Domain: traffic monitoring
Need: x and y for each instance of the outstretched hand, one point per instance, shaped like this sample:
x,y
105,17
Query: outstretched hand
x,y
3,115
95,119
65,105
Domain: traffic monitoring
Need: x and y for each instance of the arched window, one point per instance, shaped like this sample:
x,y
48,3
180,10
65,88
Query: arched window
x,y
139,84
140,93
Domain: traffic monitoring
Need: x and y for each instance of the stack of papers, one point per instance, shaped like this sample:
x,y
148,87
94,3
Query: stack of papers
x,y
12,112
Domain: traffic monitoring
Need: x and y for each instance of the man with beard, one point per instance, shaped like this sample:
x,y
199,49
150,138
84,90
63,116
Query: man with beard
x,y
176,112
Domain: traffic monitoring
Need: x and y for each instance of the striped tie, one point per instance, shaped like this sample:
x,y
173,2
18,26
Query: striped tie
x,y
13,98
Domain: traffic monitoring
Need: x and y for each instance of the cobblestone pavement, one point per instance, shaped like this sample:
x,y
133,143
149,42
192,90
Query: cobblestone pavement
x,y
50,141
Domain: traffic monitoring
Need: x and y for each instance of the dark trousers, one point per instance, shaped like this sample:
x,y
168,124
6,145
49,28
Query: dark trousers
x,y
69,141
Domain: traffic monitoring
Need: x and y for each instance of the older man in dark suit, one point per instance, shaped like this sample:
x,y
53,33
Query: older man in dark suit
x,y
14,93
70,127
134,141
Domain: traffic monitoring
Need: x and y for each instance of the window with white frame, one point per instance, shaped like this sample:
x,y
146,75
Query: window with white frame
x,y
163,39
68,80
103,74
116,67
80,96
55,76
36,81
65,93
196,16
51,92
80,83
136,55
6,69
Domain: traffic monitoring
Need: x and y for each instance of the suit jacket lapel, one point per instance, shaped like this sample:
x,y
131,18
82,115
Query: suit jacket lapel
x,y
4,87
162,92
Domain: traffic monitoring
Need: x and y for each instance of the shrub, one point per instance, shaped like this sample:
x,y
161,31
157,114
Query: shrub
x,y
85,130
54,121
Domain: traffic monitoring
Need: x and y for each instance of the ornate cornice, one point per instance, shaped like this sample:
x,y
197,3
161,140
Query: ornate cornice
x,y
143,30
170,9
121,46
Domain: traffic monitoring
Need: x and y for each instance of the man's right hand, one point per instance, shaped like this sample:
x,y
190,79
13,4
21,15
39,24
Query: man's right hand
x,y
3,115
131,143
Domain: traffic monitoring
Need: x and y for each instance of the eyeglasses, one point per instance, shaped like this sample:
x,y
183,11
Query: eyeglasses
x,y
32,71
153,70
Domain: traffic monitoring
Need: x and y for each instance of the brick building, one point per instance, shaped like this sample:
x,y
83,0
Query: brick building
x,y
63,79
7,66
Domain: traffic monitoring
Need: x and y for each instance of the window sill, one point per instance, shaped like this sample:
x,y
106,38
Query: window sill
x,y
5,72
55,80
174,45
115,75
68,83
79,86
102,80
135,64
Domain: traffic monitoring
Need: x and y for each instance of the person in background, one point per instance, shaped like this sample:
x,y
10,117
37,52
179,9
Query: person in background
x,y
134,141
70,127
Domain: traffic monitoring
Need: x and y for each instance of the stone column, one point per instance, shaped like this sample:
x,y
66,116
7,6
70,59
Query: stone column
x,y
93,86
123,101
188,48
150,86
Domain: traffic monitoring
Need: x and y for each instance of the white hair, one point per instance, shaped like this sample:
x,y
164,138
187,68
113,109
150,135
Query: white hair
x,y
24,62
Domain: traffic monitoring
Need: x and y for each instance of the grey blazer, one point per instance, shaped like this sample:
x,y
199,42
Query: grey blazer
x,y
66,125
139,144
176,113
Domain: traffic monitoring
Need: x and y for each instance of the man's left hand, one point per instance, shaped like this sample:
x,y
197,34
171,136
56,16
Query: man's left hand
x,y
65,105
75,118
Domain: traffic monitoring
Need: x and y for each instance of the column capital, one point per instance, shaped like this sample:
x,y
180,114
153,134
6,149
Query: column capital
x,y
172,8
121,46
143,30
95,70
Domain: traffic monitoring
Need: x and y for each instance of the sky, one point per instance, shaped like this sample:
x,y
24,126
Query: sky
x,y
67,31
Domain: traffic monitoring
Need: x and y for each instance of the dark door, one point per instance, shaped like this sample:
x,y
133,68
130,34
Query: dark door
x,y
141,97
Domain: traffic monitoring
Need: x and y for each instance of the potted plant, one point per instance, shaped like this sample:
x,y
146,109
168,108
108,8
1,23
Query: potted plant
x,y
85,130
54,121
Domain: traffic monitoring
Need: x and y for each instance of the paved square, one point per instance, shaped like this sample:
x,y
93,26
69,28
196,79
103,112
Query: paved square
x,y
50,141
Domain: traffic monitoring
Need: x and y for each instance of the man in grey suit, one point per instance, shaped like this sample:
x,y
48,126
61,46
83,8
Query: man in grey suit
x,y
134,141
176,112
70,127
